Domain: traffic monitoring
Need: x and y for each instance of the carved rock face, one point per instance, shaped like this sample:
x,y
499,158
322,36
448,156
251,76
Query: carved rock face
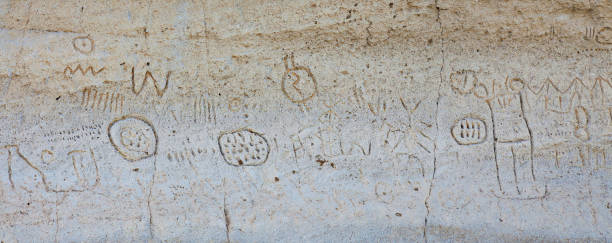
x,y
83,44
244,147
463,81
604,36
133,137
299,85
469,131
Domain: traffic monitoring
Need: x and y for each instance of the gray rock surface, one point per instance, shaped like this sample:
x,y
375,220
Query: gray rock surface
x,y
305,121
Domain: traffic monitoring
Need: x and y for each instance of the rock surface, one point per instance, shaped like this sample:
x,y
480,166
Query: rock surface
x,y
316,121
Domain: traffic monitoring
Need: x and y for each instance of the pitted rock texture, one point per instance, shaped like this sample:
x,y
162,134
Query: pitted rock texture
x,y
307,121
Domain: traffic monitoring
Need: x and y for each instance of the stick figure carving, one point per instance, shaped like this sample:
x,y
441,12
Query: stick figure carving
x,y
512,137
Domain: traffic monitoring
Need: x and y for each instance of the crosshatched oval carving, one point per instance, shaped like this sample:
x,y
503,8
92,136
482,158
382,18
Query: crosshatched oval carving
x,y
469,130
133,137
244,147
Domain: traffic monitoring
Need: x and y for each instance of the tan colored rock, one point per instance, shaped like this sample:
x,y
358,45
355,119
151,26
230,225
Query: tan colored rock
x,y
242,121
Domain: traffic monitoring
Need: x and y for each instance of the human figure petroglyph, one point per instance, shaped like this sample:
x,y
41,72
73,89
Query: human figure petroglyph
x,y
511,131
69,72
512,137
513,141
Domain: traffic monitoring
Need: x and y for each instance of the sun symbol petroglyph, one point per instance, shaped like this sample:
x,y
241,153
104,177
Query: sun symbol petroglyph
x,y
413,136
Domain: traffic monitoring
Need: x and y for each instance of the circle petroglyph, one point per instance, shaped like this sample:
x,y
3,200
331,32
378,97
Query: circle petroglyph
x,y
83,44
299,85
133,137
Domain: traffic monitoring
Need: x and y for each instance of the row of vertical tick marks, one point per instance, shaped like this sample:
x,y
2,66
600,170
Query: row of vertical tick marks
x,y
244,147
105,101
188,154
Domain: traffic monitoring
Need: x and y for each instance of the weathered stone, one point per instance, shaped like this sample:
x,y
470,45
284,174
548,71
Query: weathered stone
x,y
249,121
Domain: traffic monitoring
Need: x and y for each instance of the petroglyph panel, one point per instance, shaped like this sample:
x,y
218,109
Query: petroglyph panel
x,y
309,121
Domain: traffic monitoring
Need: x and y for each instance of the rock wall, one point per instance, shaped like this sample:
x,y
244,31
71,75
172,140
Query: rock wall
x,y
259,121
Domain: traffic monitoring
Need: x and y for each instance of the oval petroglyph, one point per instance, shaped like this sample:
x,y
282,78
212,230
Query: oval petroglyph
x,y
244,147
469,130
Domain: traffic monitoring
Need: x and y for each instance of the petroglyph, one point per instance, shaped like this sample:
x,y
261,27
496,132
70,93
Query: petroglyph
x,y
313,121
299,85
463,81
244,147
93,99
133,137
83,44
91,132
79,172
204,109
160,91
469,131
69,72
582,122
384,192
